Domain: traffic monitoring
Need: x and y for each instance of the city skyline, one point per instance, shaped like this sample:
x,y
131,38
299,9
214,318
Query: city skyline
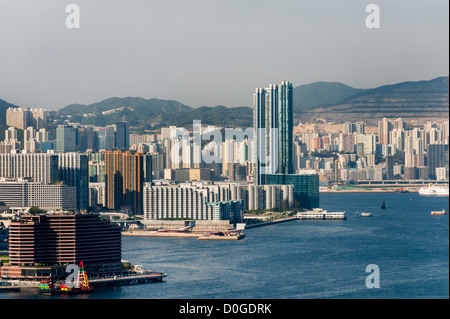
x,y
134,52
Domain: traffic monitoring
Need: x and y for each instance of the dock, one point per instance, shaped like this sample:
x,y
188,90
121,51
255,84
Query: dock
x,y
137,279
277,221
128,280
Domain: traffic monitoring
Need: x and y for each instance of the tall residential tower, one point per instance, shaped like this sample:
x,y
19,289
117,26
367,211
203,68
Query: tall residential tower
x,y
273,130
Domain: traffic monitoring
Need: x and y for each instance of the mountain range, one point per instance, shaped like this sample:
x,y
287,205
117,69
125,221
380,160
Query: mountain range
x,y
424,100
330,101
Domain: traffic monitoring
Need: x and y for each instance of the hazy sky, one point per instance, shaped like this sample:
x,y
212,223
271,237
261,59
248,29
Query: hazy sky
x,y
211,52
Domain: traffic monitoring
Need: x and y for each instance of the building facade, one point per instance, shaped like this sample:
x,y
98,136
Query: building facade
x,y
306,187
22,194
61,239
125,175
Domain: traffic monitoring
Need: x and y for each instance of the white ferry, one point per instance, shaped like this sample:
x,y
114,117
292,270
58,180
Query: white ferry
x,y
364,214
319,213
434,190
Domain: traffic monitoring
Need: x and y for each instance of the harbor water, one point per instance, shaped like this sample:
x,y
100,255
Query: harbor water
x,y
304,259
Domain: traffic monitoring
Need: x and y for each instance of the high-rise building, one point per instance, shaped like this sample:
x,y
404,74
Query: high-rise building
x,y
384,129
273,130
66,139
122,133
73,170
17,117
306,187
437,157
286,128
389,167
22,193
22,118
195,200
41,167
259,138
97,167
125,174
106,138
55,240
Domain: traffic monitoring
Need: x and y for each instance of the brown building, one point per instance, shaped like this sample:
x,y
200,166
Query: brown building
x,y
41,246
125,174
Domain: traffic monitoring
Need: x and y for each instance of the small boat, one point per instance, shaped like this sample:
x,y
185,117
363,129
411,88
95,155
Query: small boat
x,y
47,287
383,205
364,214
440,212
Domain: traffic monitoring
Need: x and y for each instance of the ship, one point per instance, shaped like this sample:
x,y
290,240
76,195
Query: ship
x,y
383,205
82,286
440,212
432,190
364,214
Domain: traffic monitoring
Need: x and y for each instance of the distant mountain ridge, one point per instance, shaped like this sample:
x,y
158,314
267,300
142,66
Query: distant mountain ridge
x,y
148,113
317,94
409,100
331,101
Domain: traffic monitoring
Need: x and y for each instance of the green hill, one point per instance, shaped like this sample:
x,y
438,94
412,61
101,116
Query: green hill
x,y
144,114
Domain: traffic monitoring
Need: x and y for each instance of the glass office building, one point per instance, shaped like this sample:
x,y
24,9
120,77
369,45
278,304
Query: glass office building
x,y
306,187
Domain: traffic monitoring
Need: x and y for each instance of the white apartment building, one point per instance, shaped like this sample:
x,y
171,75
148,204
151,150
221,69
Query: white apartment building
x,y
41,167
20,193
190,200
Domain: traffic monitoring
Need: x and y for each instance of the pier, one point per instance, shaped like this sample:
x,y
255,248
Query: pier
x,y
277,221
127,280
135,279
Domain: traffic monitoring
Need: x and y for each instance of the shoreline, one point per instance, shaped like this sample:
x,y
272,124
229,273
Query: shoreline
x,y
373,190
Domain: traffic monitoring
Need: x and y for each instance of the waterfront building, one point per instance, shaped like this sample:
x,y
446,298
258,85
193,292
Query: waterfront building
x,y
306,187
232,210
437,157
55,240
190,200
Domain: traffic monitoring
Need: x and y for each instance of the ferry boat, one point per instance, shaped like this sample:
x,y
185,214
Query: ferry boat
x,y
321,214
364,214
433,191
440,212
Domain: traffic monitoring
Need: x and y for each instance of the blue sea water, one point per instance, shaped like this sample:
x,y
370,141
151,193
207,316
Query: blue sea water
x,y
305,259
